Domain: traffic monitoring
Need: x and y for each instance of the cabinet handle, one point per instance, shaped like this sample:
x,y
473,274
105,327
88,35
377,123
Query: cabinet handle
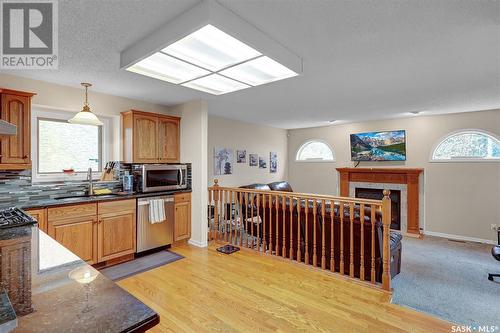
x,y
25,156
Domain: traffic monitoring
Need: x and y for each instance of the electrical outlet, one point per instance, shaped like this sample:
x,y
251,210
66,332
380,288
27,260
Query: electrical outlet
x,y
494,227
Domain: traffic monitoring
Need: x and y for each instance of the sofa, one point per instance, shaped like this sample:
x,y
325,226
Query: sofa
x,y
274,223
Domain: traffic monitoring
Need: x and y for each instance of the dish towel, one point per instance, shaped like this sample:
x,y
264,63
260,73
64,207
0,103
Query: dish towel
x,y
156,211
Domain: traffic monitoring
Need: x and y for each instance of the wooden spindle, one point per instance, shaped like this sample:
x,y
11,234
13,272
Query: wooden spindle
x,y
224,215
252,220
362,260
351,240
245,195
332,233
210,205
290,203
264,241
315,217
299,252
258,223
270,224
386,220
241,218
341,212
372,277
323,224
283,250
306,254
216,214
277,206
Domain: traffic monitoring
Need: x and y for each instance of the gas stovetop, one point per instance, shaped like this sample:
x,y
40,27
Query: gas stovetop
x,y
14,217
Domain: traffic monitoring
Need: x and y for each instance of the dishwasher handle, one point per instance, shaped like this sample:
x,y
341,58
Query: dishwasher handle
x,y
145,202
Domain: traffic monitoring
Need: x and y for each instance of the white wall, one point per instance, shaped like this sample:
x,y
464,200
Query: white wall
x,y
459,198
255,139
194,150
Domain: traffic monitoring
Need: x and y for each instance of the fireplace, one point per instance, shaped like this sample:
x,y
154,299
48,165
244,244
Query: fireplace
x,y
377,194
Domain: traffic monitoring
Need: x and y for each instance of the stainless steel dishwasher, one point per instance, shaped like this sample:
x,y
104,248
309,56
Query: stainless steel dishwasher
x,y
150,236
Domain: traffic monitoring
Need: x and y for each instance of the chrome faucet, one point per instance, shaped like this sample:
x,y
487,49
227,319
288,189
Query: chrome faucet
x,y
91,182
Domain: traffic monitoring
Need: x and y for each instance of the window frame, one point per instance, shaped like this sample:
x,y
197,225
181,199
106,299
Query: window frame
x,y
63,116
463,160
314,160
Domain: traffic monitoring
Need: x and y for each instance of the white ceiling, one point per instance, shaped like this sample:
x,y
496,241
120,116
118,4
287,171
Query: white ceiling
x,y
362,59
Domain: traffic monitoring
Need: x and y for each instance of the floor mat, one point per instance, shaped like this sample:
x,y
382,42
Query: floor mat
x,y
140,265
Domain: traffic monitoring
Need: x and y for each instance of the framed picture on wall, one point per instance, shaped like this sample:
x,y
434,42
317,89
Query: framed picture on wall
x,y
254,159
262,163
241,156
223,161
273,162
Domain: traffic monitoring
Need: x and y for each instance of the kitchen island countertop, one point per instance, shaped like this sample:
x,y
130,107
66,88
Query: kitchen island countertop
x,y
52,290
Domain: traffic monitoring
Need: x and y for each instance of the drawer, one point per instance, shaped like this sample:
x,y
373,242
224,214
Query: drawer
x,y
109,207
182,197
71,211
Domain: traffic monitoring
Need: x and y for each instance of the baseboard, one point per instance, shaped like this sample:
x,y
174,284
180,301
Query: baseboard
x,y
457,237
197,243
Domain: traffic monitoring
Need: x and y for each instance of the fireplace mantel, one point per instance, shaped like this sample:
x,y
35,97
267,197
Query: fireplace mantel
x,y
407,176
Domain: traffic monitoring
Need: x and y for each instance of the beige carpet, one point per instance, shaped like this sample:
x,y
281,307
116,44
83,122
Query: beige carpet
x,y
449,279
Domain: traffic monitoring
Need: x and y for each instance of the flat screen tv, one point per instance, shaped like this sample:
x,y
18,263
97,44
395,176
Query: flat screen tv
x,y
379,146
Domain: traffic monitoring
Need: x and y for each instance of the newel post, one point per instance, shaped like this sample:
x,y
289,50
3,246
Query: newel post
x,y
216,207
386,220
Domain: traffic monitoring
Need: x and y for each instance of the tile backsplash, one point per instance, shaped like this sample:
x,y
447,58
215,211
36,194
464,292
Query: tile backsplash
x,y
16,187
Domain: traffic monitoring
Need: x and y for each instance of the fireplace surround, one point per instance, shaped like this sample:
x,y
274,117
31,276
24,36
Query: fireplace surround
x,y
405,180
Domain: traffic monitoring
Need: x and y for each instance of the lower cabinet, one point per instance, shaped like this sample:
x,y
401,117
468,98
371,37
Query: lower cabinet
x,y
41,216
116,230
182,225
79,235
95,232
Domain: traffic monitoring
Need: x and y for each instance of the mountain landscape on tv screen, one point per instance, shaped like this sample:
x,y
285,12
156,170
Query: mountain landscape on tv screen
x,y
378,146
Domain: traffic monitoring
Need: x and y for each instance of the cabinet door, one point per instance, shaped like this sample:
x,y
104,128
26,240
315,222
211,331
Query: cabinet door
x,y
41,216
182,229
145,138
168,140
16,148
16,273
116,236
78,235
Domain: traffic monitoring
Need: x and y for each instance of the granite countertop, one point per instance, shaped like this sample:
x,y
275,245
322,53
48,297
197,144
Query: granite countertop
x,y
46,202
52,290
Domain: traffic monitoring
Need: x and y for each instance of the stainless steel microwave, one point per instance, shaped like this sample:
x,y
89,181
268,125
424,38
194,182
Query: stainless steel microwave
x,y
163,177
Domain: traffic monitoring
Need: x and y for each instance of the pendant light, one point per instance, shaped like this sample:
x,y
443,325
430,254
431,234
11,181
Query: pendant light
x,y
85,117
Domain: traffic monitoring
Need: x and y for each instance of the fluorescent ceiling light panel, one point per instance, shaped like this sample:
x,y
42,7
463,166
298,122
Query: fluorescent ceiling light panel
x,y
259,71
215,84
163,67
211,48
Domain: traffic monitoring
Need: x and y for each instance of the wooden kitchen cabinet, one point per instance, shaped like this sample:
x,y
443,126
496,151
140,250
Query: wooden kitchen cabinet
x,y
78,234
16,149
41,216
182,216
96,232
116,230
168,139
150,137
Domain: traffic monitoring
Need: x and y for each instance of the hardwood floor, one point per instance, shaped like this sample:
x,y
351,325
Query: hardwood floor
x,y
250,292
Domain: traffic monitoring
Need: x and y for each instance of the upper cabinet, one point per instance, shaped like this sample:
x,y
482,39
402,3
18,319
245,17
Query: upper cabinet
x,y
150,137
15,149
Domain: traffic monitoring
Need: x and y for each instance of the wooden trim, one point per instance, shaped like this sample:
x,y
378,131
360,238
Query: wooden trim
x,y
16,92
12,166
408,176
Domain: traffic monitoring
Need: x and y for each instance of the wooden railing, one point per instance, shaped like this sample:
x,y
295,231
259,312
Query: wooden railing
x,y
319,230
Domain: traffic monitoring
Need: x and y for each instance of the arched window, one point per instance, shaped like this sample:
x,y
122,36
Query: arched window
x,y
315,151
467,145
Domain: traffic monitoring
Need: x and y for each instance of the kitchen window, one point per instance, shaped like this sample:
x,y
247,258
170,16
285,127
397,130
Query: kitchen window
x,y
58,145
